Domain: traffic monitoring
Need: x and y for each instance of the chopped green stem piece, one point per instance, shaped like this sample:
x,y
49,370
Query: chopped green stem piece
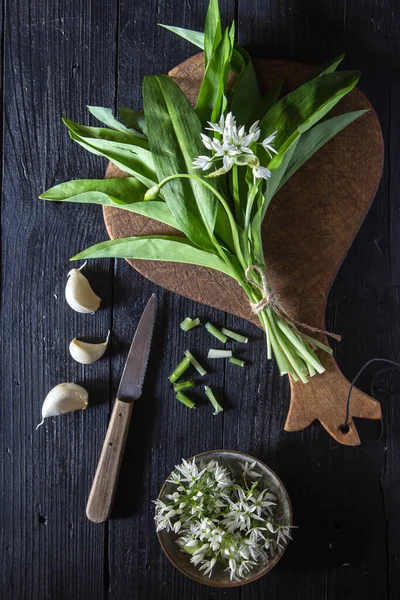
x,y
236,361
185,400
181,386
180,369
210,395
213,353
195,363
188,324
317,343
216,333
235,336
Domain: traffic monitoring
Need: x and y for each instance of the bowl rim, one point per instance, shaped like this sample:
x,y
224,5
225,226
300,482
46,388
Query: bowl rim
x,y
199,578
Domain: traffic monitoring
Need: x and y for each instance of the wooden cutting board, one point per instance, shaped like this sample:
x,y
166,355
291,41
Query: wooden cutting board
x,y
307,232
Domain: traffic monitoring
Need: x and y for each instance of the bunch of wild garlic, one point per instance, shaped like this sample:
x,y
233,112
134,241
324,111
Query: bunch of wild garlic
x,y
215,190
220,520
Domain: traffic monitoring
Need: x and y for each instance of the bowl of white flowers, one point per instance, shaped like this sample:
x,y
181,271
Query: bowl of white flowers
x,y
223,518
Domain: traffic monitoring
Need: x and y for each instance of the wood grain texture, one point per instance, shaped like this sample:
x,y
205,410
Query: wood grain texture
x,y
307,231
52,67
58,58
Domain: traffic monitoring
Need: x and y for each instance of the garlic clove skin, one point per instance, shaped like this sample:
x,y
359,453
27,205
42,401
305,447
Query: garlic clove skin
x,y
87,353
79,294
64,398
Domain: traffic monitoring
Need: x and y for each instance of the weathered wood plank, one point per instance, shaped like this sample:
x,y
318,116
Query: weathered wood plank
x,y
58,58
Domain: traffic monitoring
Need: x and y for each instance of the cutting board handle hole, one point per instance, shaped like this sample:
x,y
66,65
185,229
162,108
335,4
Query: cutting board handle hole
x,y
110,444
120,414
344,428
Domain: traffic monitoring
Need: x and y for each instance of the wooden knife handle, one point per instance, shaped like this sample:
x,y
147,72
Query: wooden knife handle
x,y
101,495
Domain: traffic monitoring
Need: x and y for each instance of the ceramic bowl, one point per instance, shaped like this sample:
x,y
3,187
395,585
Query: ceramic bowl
x,y
220,577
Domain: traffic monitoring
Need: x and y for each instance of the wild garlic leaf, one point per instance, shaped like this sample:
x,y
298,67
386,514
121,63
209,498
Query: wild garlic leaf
x,y
301,109
105,116
160,248
191,203
272,187
194,37
270,98
197,39
212,31
245,94
210,102
311,141
327,67
135,119
124,158
126,189
125,193
274,182
110,135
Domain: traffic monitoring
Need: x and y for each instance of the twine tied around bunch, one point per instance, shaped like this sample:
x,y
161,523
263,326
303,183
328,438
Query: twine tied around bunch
x,y
270,299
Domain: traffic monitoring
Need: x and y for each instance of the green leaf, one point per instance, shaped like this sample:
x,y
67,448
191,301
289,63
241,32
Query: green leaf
x,y
126,189
162,248
212,31
125,193
301,109
194,37
197,39
91,134
174,134
245,93
124,156
311,141
105,115
210,102
135,119
270,98
273,184
327,67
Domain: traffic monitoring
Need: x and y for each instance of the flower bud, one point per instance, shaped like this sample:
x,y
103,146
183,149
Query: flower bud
x,y
152,193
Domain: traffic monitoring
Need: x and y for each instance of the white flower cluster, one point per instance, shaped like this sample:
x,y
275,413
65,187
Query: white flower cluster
x,y
218,520
232,146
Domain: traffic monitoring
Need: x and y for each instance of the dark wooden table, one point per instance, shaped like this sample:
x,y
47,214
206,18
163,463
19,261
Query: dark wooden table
x,y
58,57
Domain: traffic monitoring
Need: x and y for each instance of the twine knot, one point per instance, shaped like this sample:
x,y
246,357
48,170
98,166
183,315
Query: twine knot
x,y
270,299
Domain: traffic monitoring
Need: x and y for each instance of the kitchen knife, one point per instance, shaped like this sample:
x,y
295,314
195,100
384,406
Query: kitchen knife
x,y
101,495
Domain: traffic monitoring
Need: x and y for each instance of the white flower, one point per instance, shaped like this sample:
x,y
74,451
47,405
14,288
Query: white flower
x,y
232,567
266,144
261,173
248,467
218,127
196,559
207,566
206,141
231,144
177,526
245,567
202,162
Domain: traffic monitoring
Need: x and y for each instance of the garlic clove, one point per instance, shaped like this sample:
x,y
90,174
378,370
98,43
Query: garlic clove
x,y
86,353
64,398
79,294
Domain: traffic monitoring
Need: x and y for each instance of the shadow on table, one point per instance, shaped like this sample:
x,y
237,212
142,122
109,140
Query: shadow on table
x,y
336,497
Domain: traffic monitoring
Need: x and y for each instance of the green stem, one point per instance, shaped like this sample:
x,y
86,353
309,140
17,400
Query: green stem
x,y
236,194
249,207
232,222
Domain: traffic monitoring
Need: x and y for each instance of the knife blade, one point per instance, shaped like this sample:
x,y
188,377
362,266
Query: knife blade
x,y
130,386
102,493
